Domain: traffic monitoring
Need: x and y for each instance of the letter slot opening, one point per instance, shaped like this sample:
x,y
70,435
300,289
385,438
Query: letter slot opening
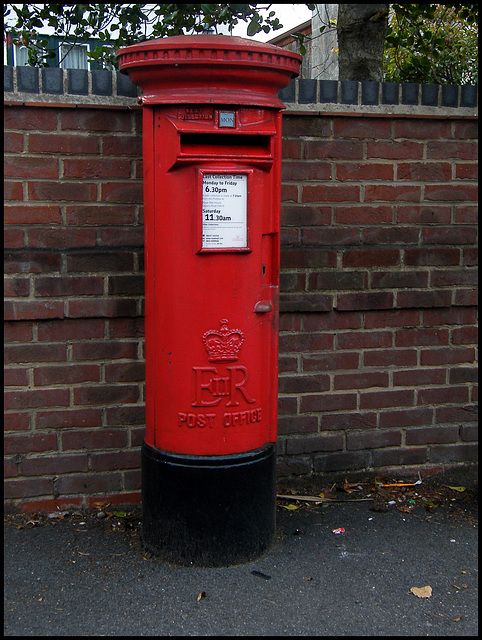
x,y
225,144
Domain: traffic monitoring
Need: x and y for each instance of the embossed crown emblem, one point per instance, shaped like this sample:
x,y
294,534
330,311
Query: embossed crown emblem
x,y
223,345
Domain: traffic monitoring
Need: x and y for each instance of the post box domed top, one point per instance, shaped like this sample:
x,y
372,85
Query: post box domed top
x,y
209,69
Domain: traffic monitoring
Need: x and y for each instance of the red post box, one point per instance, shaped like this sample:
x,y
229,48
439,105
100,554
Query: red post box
x,y
212,162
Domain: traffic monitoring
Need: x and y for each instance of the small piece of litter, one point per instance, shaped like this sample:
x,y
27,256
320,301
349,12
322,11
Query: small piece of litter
x,y
259,574
340,530
422,592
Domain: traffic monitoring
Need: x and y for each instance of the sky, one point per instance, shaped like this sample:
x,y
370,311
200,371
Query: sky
x,y
290,16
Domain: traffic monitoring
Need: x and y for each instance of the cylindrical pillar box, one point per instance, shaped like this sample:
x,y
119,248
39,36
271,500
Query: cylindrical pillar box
x,y
212,173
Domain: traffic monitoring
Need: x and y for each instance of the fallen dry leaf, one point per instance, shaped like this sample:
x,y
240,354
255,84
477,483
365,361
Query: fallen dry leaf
x,y
422,592
201,595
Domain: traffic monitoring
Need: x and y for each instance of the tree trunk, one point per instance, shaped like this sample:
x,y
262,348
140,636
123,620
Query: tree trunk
x,y
361,36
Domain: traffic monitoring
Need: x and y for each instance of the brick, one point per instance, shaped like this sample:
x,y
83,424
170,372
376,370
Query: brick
x,y
17,421
95,168
431,435
454,453
299,126
363,214
23,488
390,358
91,440
32,214
463,374
398,280
443,395
128,415
438,150
362,380
336,149
89,483
330,362
356,420
465,335
69,418
451,193
60,238
54,465
303,384
105,394
62,191
364,339
302,170
99,307
15,377
104,350
31,119
454,277
65,144
50,375
424,171
337,281
393,193
466,214
305,303
12,142
16,287
291,149
307,258
29,443
379,399
389,236
398,457
22,399
24,261
371,258
354,301
363,171
305,215
20,166
100,215
461,414
15,354
393,318
449,235
424,337
122,192
448,355
12,190
125,372
95,120
330,193
112,461
315,443
466,171
419,377
423,214
395,150
17,332
438,298
68,286
328,402
421,128
342,461
297,424
101,260
373,439
432,257
329,236
406,417
305,342
362,128
66,330
13,238
31,310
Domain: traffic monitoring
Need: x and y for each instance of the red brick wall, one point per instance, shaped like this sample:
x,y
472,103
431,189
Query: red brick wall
x,y
378,304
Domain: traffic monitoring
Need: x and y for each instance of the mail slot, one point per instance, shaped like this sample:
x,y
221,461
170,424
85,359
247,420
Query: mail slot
x,y
212,154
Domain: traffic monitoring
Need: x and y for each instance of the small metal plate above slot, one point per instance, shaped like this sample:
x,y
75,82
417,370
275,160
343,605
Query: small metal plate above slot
x,y
227,119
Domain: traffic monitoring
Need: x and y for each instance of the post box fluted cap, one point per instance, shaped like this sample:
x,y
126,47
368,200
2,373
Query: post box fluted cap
x,y
209,69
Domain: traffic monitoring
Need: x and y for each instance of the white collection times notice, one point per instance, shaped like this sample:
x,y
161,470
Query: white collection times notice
x,y
224,211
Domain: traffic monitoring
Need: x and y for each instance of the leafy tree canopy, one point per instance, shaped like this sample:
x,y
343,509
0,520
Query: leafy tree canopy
x,y
433,43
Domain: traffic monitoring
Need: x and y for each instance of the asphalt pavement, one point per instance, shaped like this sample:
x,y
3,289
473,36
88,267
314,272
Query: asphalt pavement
x,y
85,574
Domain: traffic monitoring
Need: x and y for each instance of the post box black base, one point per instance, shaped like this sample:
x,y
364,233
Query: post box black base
x,y
208,511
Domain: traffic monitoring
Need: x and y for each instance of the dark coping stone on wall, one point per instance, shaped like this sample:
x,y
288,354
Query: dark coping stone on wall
x,y
27,79
390,92
349,92
306,91
430,95
77,82
52,80
102,83
410,93
450,95
369,92
125,87
328,90
468,96
7,78
288,94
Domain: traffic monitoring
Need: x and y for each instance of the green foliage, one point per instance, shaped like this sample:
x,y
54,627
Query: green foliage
x,y
120,25
432,43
